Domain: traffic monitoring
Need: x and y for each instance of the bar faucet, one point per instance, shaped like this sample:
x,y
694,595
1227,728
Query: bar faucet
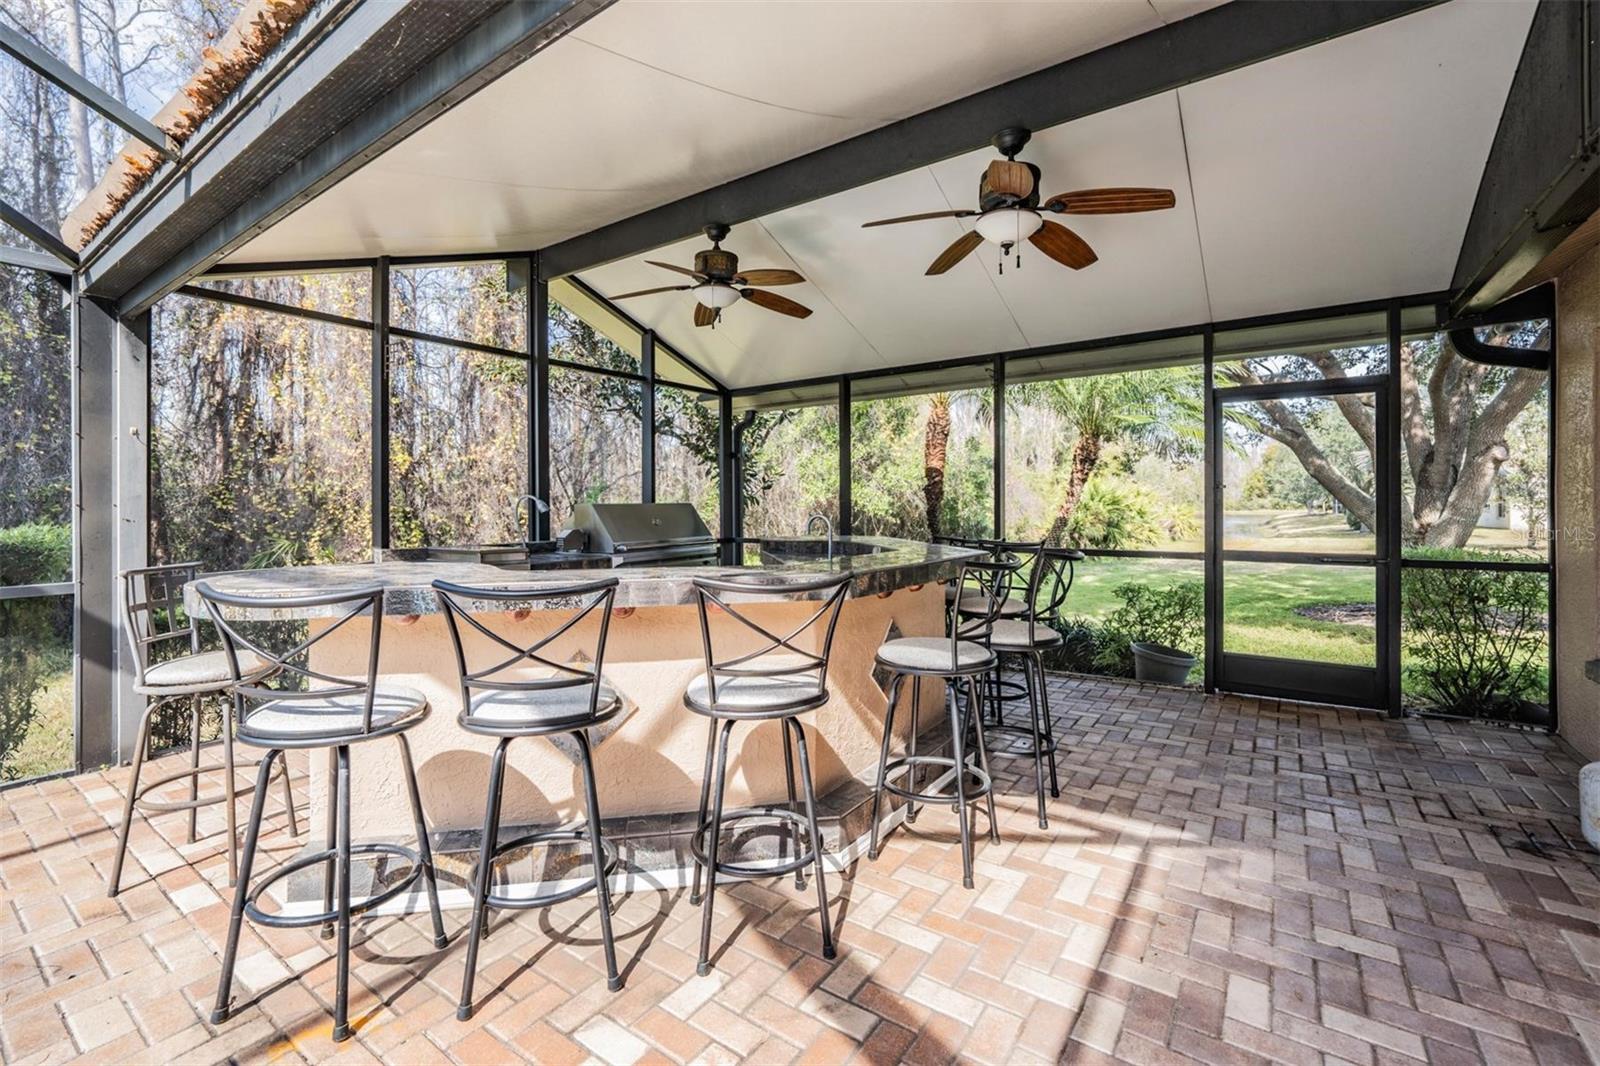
x,y
827,527
516,514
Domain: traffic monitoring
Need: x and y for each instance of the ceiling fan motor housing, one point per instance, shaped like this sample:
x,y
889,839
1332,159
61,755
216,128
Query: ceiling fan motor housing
x,y
716,263
990,198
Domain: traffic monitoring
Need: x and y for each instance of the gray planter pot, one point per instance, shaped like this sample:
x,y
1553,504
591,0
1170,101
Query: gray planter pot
x,y
1161,664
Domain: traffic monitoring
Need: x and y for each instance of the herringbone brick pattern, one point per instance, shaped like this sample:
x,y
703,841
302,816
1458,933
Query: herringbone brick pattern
x,y
1223,880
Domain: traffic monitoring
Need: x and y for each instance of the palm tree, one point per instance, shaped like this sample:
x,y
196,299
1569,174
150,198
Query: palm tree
x,y
1160,410
935,451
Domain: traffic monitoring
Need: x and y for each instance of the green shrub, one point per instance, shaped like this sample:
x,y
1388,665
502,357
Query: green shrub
x,y
1115,513
35,641
1079,648
1173,615
1474,640
35,553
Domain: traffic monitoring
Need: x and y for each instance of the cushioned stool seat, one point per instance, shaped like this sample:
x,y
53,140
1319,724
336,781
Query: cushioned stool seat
x,y
785,693
332,716
207,670
932,653
537,708
977,603
1012,634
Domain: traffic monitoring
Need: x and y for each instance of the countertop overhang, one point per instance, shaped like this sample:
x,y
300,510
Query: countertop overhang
x,y
877,566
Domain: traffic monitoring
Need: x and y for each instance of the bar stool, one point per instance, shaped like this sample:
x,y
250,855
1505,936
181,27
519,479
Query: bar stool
x,y
565,698
974,600
1027,639
1009,589
153,615
779,680
297,706
963,656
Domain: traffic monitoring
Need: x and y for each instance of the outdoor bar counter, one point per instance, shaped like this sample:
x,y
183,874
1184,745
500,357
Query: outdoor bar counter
x,y
648,760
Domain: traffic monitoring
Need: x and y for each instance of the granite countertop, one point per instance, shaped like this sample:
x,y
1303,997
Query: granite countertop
x,y
879,565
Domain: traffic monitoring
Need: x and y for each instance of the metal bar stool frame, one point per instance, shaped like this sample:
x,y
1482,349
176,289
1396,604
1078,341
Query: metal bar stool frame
x,y
974,631
253,695
791,662
1046,591
153,615
454,602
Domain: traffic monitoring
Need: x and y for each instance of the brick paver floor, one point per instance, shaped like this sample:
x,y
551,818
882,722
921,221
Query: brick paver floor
x,y
1223,880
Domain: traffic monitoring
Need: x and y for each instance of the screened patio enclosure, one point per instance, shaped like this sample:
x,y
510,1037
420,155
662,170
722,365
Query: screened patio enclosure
x,y
363,306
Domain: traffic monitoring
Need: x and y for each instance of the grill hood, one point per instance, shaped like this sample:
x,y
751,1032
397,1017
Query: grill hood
x,y
631,529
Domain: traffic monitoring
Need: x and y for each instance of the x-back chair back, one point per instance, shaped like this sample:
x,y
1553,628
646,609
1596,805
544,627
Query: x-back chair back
x,y
589,598
152,608
247,629
1042,591
995,580
779,654
1048,586
295,704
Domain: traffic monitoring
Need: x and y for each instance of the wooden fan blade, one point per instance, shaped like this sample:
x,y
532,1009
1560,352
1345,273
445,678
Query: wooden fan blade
x,y
1062,245
769,277
1008,177
917,218
1110,201
681,270
959,250
773,302
703,315
647,292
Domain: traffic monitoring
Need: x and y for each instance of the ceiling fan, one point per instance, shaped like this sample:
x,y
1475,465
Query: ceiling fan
x,y
1009,211
719,283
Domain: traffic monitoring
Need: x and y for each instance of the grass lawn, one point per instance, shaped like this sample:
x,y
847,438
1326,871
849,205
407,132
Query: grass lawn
x,y
1259,616
46,746
1258,604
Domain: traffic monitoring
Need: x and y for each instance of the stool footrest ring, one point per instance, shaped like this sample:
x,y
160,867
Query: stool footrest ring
x,y
1049,747
154,806
546,899
297,921
750,870
982,784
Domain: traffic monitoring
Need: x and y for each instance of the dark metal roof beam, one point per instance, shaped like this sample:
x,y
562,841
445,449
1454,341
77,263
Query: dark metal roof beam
x,y
36,233
52,69
366,42
1542,177
1193,49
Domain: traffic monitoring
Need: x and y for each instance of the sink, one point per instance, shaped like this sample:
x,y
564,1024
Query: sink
x,y
800,548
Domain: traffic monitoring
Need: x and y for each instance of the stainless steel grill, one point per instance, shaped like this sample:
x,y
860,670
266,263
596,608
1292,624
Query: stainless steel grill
x,y
646,534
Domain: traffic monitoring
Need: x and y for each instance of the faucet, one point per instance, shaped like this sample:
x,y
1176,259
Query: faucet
x,y
516,514
827,527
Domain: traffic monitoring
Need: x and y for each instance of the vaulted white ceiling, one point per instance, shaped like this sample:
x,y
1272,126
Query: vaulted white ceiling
x,y
648,102
1337,173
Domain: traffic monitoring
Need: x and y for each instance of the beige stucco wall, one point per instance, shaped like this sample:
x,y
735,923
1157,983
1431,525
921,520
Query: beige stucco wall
x,y
653,764
1578,584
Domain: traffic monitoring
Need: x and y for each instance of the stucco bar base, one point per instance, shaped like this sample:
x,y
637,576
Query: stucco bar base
x,y
648,767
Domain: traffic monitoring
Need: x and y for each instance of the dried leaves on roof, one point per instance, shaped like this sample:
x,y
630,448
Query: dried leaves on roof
x,y
259,29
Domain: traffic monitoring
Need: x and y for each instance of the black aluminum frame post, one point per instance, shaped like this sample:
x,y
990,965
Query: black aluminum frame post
x,y
1211,518
997,409
846,457
647,417
729,479
538,399
380,405
1390,549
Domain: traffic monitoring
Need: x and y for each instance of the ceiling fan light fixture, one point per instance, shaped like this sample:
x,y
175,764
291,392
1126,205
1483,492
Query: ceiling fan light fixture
x,y
716,295
1007,226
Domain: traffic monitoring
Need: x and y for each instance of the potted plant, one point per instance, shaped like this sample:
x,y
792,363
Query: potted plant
x,y
1155,627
